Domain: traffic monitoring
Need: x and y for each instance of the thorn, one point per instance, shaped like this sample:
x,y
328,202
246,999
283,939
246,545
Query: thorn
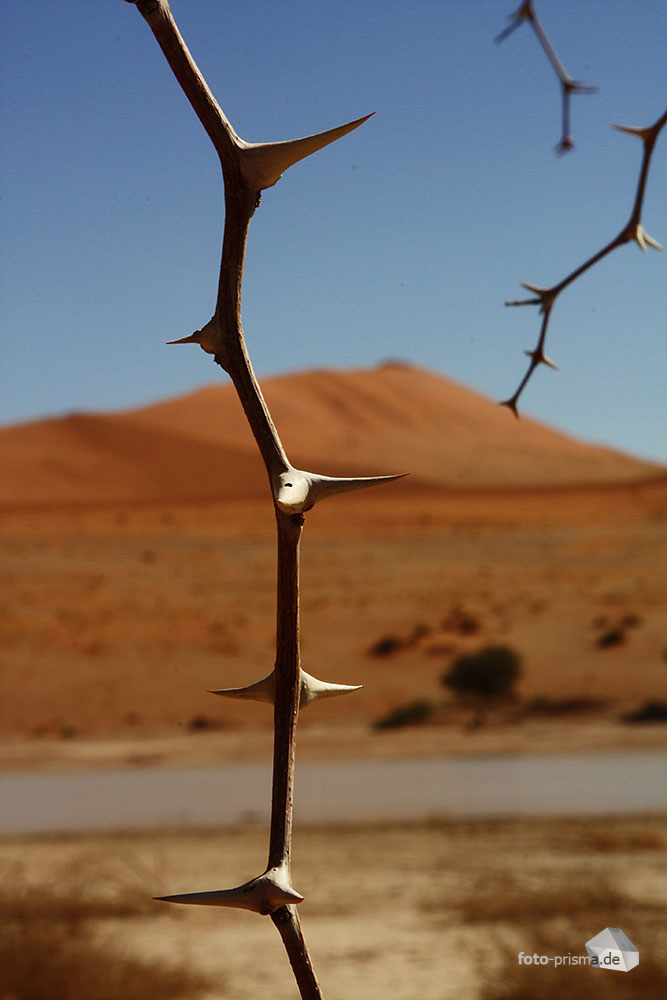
x,y
545,297
641,238
264,894
511,404
648,134
296,492
540,358
642,133
571,86
208,337
524,13
635,233
564,146
310,689
264,163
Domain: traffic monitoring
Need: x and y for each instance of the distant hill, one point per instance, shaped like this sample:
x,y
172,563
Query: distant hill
x,y
390,419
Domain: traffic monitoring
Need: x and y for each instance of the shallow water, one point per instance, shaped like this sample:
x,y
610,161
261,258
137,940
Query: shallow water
x,y
346,792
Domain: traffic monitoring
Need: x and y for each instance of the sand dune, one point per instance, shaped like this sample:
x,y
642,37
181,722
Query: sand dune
x,y
118,613
393,418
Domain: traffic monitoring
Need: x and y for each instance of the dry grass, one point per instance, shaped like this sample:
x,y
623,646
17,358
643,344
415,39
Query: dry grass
x,y
508,897
52,946
511,981
437,911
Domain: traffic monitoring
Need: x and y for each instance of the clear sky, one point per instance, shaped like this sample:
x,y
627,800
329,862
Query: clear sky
x,y
402,240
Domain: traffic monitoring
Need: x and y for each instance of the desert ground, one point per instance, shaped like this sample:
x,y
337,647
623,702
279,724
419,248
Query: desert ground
x,y
138,573
124,599
437,911
118,620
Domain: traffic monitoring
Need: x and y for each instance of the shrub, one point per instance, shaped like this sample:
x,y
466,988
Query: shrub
x,y
410,714
650,711
489,673
385,646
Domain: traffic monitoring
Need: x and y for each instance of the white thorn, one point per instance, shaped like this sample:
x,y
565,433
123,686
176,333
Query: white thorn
x,y
264,163
208,337
264,894
264,690
310,689
541,358
296,491
545,297
641,238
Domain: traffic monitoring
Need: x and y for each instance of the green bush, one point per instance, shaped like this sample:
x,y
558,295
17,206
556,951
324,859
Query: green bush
x,y
410,714
489,673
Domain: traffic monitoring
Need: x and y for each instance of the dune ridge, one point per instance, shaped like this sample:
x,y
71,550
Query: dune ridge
x,y
389,419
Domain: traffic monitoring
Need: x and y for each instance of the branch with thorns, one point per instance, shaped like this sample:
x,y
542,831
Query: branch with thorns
x,y
248,169
526,12
633,231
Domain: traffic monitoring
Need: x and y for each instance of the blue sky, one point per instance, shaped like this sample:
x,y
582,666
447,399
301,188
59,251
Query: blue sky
x,y
402,240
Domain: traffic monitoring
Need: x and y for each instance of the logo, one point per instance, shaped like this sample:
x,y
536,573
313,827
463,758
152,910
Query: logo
x,y
612,949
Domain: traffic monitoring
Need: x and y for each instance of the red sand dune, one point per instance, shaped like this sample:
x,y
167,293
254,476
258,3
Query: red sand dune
x,y
390,419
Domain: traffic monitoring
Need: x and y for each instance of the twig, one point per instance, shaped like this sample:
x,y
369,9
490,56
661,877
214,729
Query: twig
x,y
633,231
249,168
526,12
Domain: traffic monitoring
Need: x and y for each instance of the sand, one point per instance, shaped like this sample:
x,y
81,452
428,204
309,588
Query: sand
x,y
138,572
428,911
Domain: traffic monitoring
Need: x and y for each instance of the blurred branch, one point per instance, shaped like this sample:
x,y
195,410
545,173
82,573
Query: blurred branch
x,y
633,231
568,86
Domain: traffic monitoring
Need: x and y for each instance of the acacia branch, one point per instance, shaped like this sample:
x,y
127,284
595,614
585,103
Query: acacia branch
x,y
249,168
633,231
568,86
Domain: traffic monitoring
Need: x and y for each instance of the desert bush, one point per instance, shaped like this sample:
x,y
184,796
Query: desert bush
x,y
650,711
461,622
410,714
386,645
489,673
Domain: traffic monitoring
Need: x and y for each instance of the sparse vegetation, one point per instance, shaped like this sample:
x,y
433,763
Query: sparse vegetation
x,y
386,645
511,981
410,714
200,723
489,673
507,897
461,622
49,948
650,711
611,637
550,707
614,634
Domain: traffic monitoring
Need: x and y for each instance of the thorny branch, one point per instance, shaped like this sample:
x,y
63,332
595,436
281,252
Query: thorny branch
x,y
633,231
249,168
568,86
